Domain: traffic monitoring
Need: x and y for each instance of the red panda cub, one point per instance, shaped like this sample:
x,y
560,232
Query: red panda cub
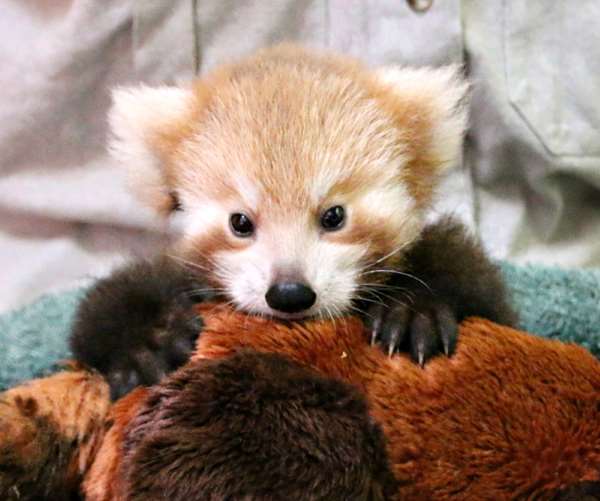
x,y
301,181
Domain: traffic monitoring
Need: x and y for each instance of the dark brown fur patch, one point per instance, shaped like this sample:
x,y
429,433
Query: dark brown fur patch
x,y
254,427
583,491
27,406
509,416
104,481
140,307
450,263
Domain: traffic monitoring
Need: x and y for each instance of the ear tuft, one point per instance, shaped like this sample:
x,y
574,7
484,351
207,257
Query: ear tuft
x,y
137,118
440,94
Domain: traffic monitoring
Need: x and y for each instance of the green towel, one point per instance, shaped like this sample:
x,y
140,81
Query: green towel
x,y
34,339
555,303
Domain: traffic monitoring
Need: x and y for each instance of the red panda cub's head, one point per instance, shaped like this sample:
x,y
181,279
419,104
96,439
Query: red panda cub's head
x,y
296,171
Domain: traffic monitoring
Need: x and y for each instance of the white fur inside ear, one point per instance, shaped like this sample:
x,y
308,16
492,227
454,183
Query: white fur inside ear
x,y
136,116
444,91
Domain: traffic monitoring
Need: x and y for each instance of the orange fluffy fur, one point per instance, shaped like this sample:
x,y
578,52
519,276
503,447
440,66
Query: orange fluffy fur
x,y
50,431
509,416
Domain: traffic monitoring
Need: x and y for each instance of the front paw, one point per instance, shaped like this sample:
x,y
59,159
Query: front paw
x,y
165,349
423,329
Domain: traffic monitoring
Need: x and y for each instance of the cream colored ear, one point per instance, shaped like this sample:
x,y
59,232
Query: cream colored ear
x,y
438,94
137,118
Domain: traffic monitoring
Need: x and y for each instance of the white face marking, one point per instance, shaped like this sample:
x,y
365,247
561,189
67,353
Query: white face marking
x,y
330,269
195,220
248,191
389,202
294,242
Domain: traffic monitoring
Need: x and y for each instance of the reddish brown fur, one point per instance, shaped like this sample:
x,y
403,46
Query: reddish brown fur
x,y
270,72
50,430
377,237
508,415
104,482
291,73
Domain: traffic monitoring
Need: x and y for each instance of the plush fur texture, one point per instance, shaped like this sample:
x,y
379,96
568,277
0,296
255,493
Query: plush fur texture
x,y
254,427
50,431
510,416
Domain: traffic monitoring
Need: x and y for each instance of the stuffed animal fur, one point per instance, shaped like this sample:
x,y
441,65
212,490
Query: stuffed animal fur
x,y
271,410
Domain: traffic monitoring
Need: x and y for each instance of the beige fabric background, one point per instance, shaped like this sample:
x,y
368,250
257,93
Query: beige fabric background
x,y
529,184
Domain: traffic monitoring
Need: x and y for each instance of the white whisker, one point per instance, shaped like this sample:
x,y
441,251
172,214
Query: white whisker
x,y
402,273
388,255
186,262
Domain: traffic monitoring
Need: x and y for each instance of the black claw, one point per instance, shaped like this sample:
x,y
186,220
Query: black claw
x,y
423,329
393,341
394,328
121,382
151,368
374,322
180,350
448,328
422,338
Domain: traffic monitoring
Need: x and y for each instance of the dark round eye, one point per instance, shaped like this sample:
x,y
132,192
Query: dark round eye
x,y
333,218
241,225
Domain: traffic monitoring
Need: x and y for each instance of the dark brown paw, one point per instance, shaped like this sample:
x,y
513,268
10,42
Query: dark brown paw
x,y
167,347
139,323
423,329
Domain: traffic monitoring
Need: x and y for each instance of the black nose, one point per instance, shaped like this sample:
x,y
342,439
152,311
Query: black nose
x,y
290,297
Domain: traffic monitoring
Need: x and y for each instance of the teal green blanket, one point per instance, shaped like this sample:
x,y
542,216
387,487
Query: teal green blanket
x,y
555,303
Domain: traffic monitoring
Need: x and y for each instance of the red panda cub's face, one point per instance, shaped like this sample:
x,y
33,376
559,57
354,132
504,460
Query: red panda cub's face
x,y
297,172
